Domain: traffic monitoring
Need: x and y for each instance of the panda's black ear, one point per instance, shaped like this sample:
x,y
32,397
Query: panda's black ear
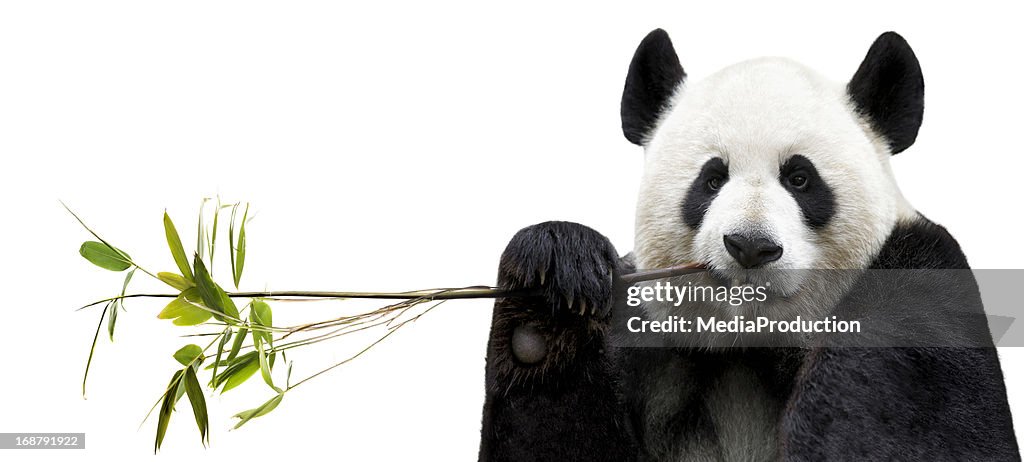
x,y
888,89
653,76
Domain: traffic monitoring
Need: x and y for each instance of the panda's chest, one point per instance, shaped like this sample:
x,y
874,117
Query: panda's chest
x,y
725,412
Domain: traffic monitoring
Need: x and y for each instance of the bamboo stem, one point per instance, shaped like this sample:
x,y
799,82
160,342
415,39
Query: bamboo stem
x,y
672,271
429,294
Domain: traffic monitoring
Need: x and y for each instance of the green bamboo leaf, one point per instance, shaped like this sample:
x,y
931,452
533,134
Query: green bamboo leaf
x,y
195,396
112,319
223,363
213,232
212,295
240,375
185,309
118,304
173,309
228,304
196,312
205,285
189,355
127,279
239,260
231,242
175,280
238,371
229,362
105,256
237,344
265,365
166,408
224,337
261,315
193,318
264,409
201,232
217,364
177,396
177,251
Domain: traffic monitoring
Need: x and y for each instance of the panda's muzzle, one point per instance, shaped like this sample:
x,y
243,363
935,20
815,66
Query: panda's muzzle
x,y
752,251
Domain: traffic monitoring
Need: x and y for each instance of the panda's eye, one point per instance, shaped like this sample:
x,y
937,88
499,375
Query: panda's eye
x,y
715,183
798,181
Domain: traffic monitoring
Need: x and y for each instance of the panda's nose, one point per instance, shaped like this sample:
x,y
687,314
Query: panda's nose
x,y
751,252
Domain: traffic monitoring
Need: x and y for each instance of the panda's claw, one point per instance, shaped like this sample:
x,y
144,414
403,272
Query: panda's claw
x,y
572,265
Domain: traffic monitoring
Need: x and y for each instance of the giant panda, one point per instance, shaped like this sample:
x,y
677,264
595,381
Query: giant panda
x,y
763,167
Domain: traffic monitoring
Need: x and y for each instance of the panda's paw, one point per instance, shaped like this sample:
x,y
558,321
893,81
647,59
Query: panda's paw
x,y
571,265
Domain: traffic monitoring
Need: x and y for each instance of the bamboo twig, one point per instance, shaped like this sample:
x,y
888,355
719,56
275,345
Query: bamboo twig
x,y
470,292
268,340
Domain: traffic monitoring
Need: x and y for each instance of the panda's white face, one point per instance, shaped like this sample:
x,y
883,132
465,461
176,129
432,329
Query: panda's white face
x,y
763,167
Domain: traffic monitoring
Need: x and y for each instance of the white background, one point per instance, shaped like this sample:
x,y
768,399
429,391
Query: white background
x,y
391,148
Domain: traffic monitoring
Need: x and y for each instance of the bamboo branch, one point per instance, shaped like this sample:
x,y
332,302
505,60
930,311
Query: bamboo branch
x,y
268,340
428,294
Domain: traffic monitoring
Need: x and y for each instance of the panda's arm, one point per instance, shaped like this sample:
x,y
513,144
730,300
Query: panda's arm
x,y
925,402
551,390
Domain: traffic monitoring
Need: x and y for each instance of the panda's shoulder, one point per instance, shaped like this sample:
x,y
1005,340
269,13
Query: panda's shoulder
x,y
920,243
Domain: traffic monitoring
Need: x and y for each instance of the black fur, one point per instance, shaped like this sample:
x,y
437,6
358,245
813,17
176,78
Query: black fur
x,y
701,194
814,197
928,403
653,76
588,401
923,245
564,408
888,89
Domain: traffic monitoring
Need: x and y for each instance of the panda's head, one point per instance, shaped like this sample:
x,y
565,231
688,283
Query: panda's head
x,y
766,166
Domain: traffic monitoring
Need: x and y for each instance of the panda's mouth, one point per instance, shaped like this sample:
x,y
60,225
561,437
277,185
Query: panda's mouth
x,y
732,278
776,281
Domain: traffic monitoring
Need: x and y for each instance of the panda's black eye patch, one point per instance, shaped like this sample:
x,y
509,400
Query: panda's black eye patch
x,y
811,193
713,175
